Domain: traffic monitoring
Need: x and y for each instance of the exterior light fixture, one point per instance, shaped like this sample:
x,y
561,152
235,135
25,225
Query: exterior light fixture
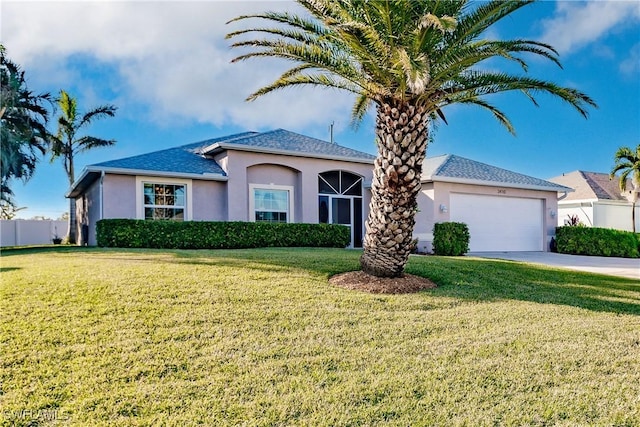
x,y
444,209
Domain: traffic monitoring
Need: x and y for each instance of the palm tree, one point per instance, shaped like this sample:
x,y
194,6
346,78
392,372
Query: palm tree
x,y
410,59
628,161
23,119
66,143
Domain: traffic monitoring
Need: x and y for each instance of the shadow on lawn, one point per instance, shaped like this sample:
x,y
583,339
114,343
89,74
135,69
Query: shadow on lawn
x,y
470,279
487,280
465,278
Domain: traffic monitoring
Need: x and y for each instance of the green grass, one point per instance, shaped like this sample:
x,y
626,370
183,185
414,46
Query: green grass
x,y
258,338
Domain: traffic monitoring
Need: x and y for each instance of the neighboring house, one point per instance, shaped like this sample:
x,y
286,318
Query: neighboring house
x,y
597,201
281,176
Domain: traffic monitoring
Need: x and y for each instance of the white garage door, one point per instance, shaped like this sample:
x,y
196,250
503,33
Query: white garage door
x,y
499,223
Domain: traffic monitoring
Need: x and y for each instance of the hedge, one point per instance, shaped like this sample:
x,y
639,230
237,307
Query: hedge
x,y
450,238
135,233
597,241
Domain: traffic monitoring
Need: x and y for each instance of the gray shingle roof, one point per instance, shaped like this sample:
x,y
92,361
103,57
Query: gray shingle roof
x,y
182,159
189,160
289,143
454,168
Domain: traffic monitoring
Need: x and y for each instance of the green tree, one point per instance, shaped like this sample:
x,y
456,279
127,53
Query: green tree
x,y
23,117
409,59
67,143
9,210
627,161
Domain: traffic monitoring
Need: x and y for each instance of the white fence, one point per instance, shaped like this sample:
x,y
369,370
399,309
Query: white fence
x,y
20,232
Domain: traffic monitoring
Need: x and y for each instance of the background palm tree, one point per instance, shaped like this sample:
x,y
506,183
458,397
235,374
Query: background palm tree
x,y
23,119
627,161
410,59
67,143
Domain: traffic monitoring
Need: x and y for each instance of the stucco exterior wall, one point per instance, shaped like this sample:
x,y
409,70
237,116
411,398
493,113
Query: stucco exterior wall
x,y
119,196
209,201
271,174
246,168
602,214
434,194
88,212
220,200
615,215
584,212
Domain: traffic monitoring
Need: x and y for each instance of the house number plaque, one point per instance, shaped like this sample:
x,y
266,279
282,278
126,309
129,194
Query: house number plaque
x,y
502,191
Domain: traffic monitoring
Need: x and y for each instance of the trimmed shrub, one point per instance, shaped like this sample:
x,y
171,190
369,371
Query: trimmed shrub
x,y
137,233
596,241
450,238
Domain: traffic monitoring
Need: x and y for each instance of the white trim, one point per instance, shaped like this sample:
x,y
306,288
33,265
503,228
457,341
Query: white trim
x,y
221,146
252,203
207,176
613,202
430,178
595,201
141,179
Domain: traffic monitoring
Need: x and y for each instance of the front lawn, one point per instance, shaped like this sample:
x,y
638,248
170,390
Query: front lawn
x,y
258,337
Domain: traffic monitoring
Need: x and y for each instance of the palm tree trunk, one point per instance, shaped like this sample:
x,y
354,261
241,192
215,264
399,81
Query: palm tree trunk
x,y
634,200
401,135
73,223
69,168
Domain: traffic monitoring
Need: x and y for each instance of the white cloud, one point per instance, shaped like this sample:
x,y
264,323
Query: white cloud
x,y
578,23
631,65
170,57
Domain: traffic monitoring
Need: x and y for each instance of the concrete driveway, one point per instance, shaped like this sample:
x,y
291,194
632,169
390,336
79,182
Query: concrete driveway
x,y
623,267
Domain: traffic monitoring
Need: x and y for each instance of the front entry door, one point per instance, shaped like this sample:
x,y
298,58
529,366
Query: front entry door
x,y
345,211
340,202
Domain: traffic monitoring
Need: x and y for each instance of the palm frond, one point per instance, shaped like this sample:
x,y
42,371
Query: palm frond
x,y
423,52
497,114
627,161
89,142
326,80
96,114
477,84
359,110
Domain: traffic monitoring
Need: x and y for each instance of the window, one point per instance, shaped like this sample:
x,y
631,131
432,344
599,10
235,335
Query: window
x,y
164,201
340,182
271,204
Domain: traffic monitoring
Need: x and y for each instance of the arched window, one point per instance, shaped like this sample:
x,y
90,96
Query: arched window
x,y
340,182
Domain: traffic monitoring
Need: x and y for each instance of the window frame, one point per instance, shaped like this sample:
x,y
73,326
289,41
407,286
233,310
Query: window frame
x,y
142,180
252,201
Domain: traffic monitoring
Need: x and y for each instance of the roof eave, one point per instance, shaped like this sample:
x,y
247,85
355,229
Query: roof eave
x,y
595,200
456,180
219,147
76,189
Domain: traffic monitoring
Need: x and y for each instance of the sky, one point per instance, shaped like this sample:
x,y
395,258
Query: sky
x,y
167,67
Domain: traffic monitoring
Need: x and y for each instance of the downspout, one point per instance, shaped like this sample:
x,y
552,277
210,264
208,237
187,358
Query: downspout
x,y
101,196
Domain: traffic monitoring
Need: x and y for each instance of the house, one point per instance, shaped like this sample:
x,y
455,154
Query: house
x,y
275,176
597,201
283,176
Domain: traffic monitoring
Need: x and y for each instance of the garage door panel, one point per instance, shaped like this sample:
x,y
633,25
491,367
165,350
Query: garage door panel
x,y
499,223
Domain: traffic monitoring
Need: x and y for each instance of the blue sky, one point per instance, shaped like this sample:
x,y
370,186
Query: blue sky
x,y
166,66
